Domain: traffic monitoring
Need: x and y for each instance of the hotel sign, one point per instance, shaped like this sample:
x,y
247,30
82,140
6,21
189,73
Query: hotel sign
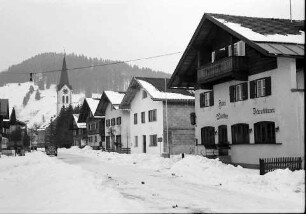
x,y
221,116
263,111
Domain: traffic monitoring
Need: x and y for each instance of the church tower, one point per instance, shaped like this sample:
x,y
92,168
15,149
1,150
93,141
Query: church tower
x,y
64,89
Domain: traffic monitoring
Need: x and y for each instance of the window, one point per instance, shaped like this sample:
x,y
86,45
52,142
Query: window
x,y
208,137
144,94
153,140
118,121
135,118
143,117
260,87
113,122
63,99
66,99
136,141
240,133
152,115
206,99
96,139
264,132
238,92
107,123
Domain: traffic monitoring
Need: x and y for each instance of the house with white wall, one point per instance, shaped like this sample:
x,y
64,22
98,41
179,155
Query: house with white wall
x,y
248,74
159,118
117,121
94,124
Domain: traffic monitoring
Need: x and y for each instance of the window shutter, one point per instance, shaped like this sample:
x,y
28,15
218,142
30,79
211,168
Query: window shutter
x,y
201,100
229,50
253,89
268,86
213,54
211,98
241,48
245,91
232,93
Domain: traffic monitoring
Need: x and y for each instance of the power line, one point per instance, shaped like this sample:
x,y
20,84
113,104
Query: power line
x,y
100,65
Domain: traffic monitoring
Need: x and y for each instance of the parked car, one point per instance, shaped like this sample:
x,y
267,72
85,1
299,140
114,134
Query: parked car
x,y
51,150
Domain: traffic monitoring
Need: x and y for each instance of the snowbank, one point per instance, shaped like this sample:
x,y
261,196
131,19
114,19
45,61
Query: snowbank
x,y
211,172
279,183
146,161
39,183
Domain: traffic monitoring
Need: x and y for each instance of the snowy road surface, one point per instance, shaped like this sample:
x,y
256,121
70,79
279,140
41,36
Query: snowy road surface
x,y
93,181
167,193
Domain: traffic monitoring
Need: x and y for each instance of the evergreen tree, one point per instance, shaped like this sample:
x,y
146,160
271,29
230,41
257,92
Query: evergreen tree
x,y
64,137
13,117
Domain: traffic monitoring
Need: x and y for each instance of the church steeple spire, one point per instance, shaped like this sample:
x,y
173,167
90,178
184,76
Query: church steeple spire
x,y
64,76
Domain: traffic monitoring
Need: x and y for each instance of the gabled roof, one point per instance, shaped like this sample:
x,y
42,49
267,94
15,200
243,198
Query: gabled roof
x,y
156,89
109,97
89,106
79,125
64,77
269,36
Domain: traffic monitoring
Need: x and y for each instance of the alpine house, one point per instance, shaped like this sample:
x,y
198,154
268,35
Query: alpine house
x,y
159,118
248,77
94,124
117,121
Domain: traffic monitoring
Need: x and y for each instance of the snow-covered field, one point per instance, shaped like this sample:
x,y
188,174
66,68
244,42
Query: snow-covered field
x,y
85,180
35,110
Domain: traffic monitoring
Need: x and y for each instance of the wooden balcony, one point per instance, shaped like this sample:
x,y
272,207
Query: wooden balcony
x,y
229,68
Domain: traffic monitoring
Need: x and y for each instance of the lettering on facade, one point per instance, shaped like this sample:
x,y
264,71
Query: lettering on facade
x,y
263,111
221,103
221,116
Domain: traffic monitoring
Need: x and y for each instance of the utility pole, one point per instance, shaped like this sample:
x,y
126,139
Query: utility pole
x,y
167,116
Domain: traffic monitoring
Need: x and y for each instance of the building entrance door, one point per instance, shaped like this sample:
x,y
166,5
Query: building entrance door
x,y
144,140
222,140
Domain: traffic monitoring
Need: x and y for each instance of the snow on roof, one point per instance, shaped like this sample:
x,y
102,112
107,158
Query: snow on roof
x,y
115,97
156,94
254,36
93,104
79,125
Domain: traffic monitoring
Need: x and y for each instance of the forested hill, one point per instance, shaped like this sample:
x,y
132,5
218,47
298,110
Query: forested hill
x,y
91,80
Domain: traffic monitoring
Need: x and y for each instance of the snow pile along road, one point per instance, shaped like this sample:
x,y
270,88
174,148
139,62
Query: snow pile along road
x,y
282,184
145,161
279,183
39,183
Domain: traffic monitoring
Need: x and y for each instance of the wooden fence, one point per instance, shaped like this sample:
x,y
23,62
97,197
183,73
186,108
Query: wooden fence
x,y
121,150
270,164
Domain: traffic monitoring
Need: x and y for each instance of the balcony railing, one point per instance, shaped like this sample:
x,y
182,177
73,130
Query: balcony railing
x,y
234,66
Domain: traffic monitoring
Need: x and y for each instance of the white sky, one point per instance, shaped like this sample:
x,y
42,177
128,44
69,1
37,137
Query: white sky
x,y
117,29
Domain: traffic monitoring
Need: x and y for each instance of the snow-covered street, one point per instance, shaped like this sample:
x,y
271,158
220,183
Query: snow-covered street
x,y
84,180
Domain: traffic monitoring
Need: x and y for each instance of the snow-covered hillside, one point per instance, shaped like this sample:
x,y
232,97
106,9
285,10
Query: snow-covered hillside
x,y
36,111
